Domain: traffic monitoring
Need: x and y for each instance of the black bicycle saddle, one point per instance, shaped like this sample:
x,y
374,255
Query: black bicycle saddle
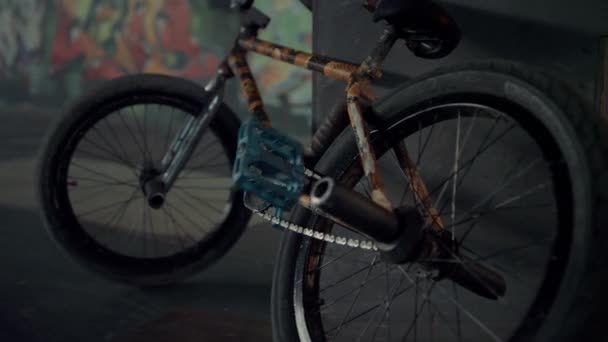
x,y
428,29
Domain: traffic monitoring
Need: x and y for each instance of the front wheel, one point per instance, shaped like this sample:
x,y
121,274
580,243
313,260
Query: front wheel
x,y
514,163
95,166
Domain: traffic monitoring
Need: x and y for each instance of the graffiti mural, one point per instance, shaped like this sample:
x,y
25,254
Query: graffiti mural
x,y
286,87
20,31
52,50
114,38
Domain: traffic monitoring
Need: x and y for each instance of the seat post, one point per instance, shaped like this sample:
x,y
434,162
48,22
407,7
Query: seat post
x,y
371,65
253,21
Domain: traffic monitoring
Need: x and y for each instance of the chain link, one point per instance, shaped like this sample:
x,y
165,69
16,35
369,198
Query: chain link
x,y
331,238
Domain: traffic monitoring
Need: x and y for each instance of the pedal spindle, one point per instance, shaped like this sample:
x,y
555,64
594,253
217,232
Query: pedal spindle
x,y
269,164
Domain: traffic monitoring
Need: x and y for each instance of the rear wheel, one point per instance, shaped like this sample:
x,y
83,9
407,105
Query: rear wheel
x,y
514,166
96,167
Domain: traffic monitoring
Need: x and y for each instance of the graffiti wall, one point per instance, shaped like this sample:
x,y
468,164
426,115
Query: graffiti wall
x,y
284,86
52,50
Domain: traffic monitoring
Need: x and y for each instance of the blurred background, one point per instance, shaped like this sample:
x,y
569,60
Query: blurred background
x,y
51,51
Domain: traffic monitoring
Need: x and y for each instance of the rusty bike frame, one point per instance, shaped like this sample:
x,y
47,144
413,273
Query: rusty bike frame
x,y
375,218
358,80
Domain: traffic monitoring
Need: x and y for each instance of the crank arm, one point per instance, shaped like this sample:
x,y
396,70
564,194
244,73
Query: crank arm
x,y
352,209
400,236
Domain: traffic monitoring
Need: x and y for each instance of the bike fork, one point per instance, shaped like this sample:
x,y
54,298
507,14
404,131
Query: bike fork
x,y
190,134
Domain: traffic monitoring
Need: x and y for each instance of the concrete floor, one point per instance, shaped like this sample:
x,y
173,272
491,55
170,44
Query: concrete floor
x,y
45,296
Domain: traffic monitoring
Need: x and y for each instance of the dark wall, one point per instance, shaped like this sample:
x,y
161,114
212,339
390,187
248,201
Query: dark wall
x,y
561,35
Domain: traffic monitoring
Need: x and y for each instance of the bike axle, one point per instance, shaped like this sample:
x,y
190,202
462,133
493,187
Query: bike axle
x,y
154,190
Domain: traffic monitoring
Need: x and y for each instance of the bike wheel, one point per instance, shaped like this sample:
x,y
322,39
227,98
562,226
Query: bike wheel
x,y
514,164
92,168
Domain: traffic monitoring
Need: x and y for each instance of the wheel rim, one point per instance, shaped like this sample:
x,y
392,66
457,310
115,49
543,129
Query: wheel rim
x,y
116,147
446,317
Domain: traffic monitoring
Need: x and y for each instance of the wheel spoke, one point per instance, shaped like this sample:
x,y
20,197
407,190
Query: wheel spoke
x,y
347,293
119,214
354,301
416,283
458,323
469,315
388,300
524,194
512,250
128,127
187,218
444,319
143,224
387,308
205,163
455,178
102,183
101,209
491,265
115,158
368,310
169,130
177,224
343,279
92,196
490,197
414,324
350,250
200,199
469,163
177,235
194,209
121,147
96,173
146,153
120,211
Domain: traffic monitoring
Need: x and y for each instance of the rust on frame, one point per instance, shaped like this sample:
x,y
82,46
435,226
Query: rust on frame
x,y
368,158
418,187
302,59
326,66
238,64
342,71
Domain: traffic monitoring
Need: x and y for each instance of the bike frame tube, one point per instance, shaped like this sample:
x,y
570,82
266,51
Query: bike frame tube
x,y
239,66
328,67
357,77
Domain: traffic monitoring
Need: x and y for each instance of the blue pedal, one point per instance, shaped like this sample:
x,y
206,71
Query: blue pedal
x,y
269,165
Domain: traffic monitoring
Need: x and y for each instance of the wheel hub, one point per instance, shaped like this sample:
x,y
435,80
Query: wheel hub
x,y
408,244
153,188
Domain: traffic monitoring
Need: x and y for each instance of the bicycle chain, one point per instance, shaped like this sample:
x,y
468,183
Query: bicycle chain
x,y
331,238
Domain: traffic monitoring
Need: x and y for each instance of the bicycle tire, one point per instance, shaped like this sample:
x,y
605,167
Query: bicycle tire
x,y
574,312
71,237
